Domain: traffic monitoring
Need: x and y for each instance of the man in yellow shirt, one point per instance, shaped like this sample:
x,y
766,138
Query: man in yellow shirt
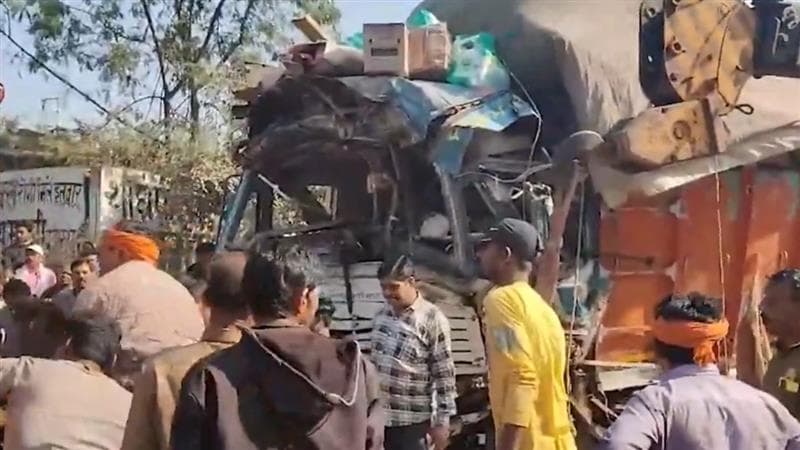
x,y
526,346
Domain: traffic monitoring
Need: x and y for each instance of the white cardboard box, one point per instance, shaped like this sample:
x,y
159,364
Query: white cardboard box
x,y
386,49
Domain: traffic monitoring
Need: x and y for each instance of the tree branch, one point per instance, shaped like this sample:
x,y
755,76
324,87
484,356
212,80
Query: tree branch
x,y
242,30
211,27
191,9
157,45
130,105
66,82
106,25
178,8
139,100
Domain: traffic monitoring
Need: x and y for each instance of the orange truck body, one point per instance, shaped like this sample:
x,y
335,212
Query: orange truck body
x,y
721,236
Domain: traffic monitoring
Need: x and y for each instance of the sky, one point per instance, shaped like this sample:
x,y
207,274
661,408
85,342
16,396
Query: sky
x,y
38,100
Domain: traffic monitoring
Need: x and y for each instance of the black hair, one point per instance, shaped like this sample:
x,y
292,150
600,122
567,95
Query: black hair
x,y
80,262
205,247
271,280
19,299
17,288
86,248
25,224
94,338
195,286
224,283
325,311
86,253
693,307
400,268
789,276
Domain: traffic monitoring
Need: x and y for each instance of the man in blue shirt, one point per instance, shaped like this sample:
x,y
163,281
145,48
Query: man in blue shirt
x,y
693,406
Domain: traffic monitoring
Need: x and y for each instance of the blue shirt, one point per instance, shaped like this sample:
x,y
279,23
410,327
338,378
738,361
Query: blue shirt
x,y
696,408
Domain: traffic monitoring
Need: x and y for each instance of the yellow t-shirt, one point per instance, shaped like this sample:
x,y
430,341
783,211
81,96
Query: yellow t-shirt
x,y
527,360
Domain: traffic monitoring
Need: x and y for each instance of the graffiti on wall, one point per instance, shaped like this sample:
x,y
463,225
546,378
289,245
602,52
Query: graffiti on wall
x,y
38,191
135,202
54,201
132,195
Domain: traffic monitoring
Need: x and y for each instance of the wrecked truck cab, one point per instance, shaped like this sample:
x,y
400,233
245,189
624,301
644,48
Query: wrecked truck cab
x,y
356,168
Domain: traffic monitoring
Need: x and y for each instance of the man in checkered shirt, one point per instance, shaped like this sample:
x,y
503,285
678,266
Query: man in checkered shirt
x,y
412,351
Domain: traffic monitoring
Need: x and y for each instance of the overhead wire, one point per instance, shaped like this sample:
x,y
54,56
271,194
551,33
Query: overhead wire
x,y
519,178
718,192
576,279
530,169
721,254
72,86
537,114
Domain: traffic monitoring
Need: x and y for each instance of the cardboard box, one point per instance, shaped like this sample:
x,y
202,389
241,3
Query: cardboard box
x,y
429,51
386,49
310,28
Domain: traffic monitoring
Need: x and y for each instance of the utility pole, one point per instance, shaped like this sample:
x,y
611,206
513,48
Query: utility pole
x,y
57,102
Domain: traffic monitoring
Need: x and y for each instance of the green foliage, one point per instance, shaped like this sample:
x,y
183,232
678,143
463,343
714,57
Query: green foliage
x,y
175,48
192,165
184,55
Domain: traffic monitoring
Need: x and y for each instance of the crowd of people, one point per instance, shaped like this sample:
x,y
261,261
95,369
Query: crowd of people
x,y
114,353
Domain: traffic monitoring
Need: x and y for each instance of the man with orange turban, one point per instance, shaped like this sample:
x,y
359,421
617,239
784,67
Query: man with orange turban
x,y
693,406
153,310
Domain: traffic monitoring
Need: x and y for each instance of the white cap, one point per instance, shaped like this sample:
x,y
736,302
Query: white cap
x,y
36,248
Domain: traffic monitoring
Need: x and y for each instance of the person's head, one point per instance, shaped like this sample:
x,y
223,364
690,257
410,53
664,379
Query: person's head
x,y
223,293
23,233
89,253
92,338
82,272
509,250
65,275
687,329
120,246
282,284
324,317
204,252
780,307
398,284
17,293
34,256
85,248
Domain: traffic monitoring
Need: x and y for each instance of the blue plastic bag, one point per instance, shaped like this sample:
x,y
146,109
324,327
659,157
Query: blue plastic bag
x,y
475,63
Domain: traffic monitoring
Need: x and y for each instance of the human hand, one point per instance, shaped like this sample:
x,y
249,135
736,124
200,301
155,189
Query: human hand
x,y
440,435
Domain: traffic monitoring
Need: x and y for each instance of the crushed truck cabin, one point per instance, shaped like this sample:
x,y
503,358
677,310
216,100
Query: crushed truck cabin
x,y
688,188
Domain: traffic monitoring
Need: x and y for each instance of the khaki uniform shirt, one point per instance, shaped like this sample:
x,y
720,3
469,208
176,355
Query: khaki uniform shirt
x,y
782,379
154,311
157,389
61,404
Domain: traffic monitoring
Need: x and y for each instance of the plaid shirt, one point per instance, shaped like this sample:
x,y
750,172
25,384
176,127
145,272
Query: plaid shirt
x,y
412,352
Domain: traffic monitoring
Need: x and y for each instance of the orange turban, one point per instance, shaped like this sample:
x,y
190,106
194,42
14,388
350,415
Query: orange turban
x,y
698,336
139,247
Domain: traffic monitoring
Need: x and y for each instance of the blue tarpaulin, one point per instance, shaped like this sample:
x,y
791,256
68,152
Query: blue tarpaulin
x,y
424,102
